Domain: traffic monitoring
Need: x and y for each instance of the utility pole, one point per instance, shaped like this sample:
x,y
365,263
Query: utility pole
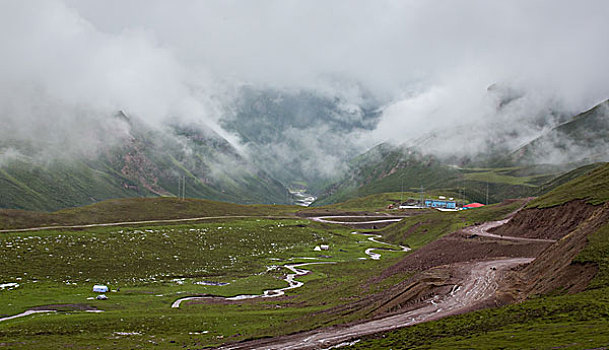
x,y
402,191
422,200
179,187
486,193
183,187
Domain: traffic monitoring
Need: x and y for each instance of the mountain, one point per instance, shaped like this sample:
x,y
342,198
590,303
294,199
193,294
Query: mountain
x,y
585,138
387,168
299,136
149,162
488,176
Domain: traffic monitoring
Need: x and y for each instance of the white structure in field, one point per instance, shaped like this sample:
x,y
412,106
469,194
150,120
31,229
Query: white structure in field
x,y
99,288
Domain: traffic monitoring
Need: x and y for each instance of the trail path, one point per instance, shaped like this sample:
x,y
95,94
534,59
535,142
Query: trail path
x,y
143,222
479,285
379,219
482,230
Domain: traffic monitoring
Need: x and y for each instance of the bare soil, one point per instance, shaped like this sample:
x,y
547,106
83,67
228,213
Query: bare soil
x,y
547,223
464,246
554,269
483,265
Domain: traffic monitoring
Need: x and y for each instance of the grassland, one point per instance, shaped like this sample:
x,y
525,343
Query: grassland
x,y
591,187
136,209
153,265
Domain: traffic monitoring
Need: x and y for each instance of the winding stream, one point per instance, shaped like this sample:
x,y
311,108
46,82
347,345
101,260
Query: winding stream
x,y
269,293
297,271
373,238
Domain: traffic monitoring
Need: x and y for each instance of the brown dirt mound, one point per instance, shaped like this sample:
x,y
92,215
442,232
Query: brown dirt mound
x,y
547,223
462,247
554,269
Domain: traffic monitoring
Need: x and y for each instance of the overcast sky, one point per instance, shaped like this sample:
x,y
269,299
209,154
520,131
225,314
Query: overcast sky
x,y
70,63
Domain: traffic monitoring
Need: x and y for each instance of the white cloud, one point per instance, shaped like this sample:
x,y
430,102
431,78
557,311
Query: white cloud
x,y
70,63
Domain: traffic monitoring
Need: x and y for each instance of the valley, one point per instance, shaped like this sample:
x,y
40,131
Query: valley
x,y
256,281
304,174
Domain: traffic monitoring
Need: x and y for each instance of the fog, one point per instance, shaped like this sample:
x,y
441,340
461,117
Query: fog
x,y
67,66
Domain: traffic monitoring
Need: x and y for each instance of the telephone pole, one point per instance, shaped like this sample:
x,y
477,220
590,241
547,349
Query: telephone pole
x,y
183,187
402,191
486,193
179,187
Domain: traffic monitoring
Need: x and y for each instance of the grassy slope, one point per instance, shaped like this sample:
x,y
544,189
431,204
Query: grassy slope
x,y
559,321
135,209
144,262
388,169
592,187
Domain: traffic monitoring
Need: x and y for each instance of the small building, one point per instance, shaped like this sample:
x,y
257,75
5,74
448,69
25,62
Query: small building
x,y
473,205
99,288
436,203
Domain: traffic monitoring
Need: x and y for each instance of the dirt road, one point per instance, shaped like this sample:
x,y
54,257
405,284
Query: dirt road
x,y
161,221
482,230
479,285
377,219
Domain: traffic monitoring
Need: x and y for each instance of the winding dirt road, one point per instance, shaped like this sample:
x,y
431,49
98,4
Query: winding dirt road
x,y
121,223
378,219
482,230
479,285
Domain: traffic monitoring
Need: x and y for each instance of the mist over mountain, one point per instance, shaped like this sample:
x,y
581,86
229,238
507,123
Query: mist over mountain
x,y
300,136
179,160
291,91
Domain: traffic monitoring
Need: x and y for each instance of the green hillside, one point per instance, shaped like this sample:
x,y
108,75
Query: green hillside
x,y
584,136
151,163
592,187
136,209
387,168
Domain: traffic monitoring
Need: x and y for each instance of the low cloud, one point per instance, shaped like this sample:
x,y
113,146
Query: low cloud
x,y
68,66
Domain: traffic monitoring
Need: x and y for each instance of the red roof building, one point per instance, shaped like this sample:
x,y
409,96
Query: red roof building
x,y
473,205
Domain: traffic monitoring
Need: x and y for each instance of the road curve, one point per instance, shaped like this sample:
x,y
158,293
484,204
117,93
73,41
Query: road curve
x,y
482,230
380,219
159,221
479,285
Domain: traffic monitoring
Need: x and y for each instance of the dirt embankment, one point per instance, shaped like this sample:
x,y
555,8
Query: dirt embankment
x,y
547,223
463,246
554,268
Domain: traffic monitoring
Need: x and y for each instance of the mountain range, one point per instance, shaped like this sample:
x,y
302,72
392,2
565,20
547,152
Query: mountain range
x,y
293,140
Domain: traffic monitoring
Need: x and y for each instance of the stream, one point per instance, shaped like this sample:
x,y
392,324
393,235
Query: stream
x,y
297,271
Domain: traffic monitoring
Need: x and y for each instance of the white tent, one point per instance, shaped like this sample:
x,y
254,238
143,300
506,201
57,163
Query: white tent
x,y
98,288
